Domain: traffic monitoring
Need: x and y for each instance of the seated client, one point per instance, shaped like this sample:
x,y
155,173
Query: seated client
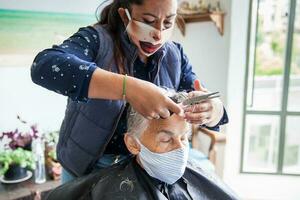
x,y
158,169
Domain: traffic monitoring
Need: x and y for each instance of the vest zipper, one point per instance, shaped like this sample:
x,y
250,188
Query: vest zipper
x,y
132,62
158,68
113,131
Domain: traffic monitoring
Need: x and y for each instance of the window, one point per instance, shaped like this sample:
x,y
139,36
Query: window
x,y
271,130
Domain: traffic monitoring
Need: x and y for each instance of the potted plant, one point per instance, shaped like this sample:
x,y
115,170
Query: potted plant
x,y
22,139
53,167
15,163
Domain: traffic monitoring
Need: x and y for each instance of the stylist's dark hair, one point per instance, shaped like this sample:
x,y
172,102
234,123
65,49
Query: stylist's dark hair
x,y
110,16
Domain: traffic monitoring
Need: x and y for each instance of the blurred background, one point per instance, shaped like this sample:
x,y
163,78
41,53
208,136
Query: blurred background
x,y
254,62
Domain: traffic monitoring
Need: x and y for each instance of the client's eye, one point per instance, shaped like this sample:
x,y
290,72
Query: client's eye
x,y
166,140
149,21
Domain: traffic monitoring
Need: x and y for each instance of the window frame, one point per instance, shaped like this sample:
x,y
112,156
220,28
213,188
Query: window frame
x,y
283,113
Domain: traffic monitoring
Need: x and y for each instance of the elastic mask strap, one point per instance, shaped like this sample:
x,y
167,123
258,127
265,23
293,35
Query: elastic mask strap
x,y
128,14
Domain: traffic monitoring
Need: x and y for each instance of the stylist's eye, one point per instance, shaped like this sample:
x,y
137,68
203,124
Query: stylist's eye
x,y
168,24
184,139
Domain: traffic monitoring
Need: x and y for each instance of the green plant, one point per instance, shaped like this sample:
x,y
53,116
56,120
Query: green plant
x,y
52,154
18,156
51,138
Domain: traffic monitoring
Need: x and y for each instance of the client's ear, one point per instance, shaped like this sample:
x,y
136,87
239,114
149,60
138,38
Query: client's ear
x,y
131,144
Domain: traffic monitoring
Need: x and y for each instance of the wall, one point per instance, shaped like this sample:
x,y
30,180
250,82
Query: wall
x,y
19,96
208,51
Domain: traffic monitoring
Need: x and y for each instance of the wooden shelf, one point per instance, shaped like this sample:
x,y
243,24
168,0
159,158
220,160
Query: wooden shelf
x,y
216,17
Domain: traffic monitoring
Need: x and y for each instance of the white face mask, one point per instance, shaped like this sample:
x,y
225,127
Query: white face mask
x,y
167,167
141,32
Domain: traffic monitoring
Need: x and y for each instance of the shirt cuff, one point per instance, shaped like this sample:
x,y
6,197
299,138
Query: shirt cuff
x,y
224,120
217,112
84,90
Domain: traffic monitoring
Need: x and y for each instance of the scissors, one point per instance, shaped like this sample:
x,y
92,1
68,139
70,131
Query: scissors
x,y
197,99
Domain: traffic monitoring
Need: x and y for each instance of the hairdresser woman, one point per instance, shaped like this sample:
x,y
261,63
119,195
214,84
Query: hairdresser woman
x,y
122,58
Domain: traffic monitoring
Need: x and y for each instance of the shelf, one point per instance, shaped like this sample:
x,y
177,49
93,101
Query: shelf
x,y
216,17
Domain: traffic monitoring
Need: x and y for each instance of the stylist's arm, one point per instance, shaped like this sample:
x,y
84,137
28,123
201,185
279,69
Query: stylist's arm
x,y
145,97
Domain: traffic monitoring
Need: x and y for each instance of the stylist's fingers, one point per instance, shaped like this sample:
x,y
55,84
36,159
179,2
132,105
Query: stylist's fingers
x,y
164,113
174,108
201,107
151,115
199,122
196,116
196,93
198,86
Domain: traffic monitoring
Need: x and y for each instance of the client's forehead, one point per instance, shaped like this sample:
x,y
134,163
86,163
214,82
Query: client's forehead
x,y
174,125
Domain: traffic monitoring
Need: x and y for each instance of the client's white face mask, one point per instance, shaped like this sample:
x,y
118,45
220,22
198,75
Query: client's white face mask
x,y
143,35
167,167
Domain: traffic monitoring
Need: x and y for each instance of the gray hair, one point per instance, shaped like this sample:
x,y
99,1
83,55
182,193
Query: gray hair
x,y
137,124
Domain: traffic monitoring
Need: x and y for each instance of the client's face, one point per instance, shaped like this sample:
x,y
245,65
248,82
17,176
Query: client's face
x,y
162,150
161,136
165,135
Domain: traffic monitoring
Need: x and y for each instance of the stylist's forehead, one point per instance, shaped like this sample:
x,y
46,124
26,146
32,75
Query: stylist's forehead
x,y
155,8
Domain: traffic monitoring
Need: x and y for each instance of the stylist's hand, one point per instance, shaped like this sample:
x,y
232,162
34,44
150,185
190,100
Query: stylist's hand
x,y
208,112
149,100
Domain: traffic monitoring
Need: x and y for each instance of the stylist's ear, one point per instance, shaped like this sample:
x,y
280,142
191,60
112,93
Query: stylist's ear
x,y
132,144
123,16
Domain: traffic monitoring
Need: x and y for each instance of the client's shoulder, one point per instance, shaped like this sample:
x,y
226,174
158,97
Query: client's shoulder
x,y
100,181
203,178
194,167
